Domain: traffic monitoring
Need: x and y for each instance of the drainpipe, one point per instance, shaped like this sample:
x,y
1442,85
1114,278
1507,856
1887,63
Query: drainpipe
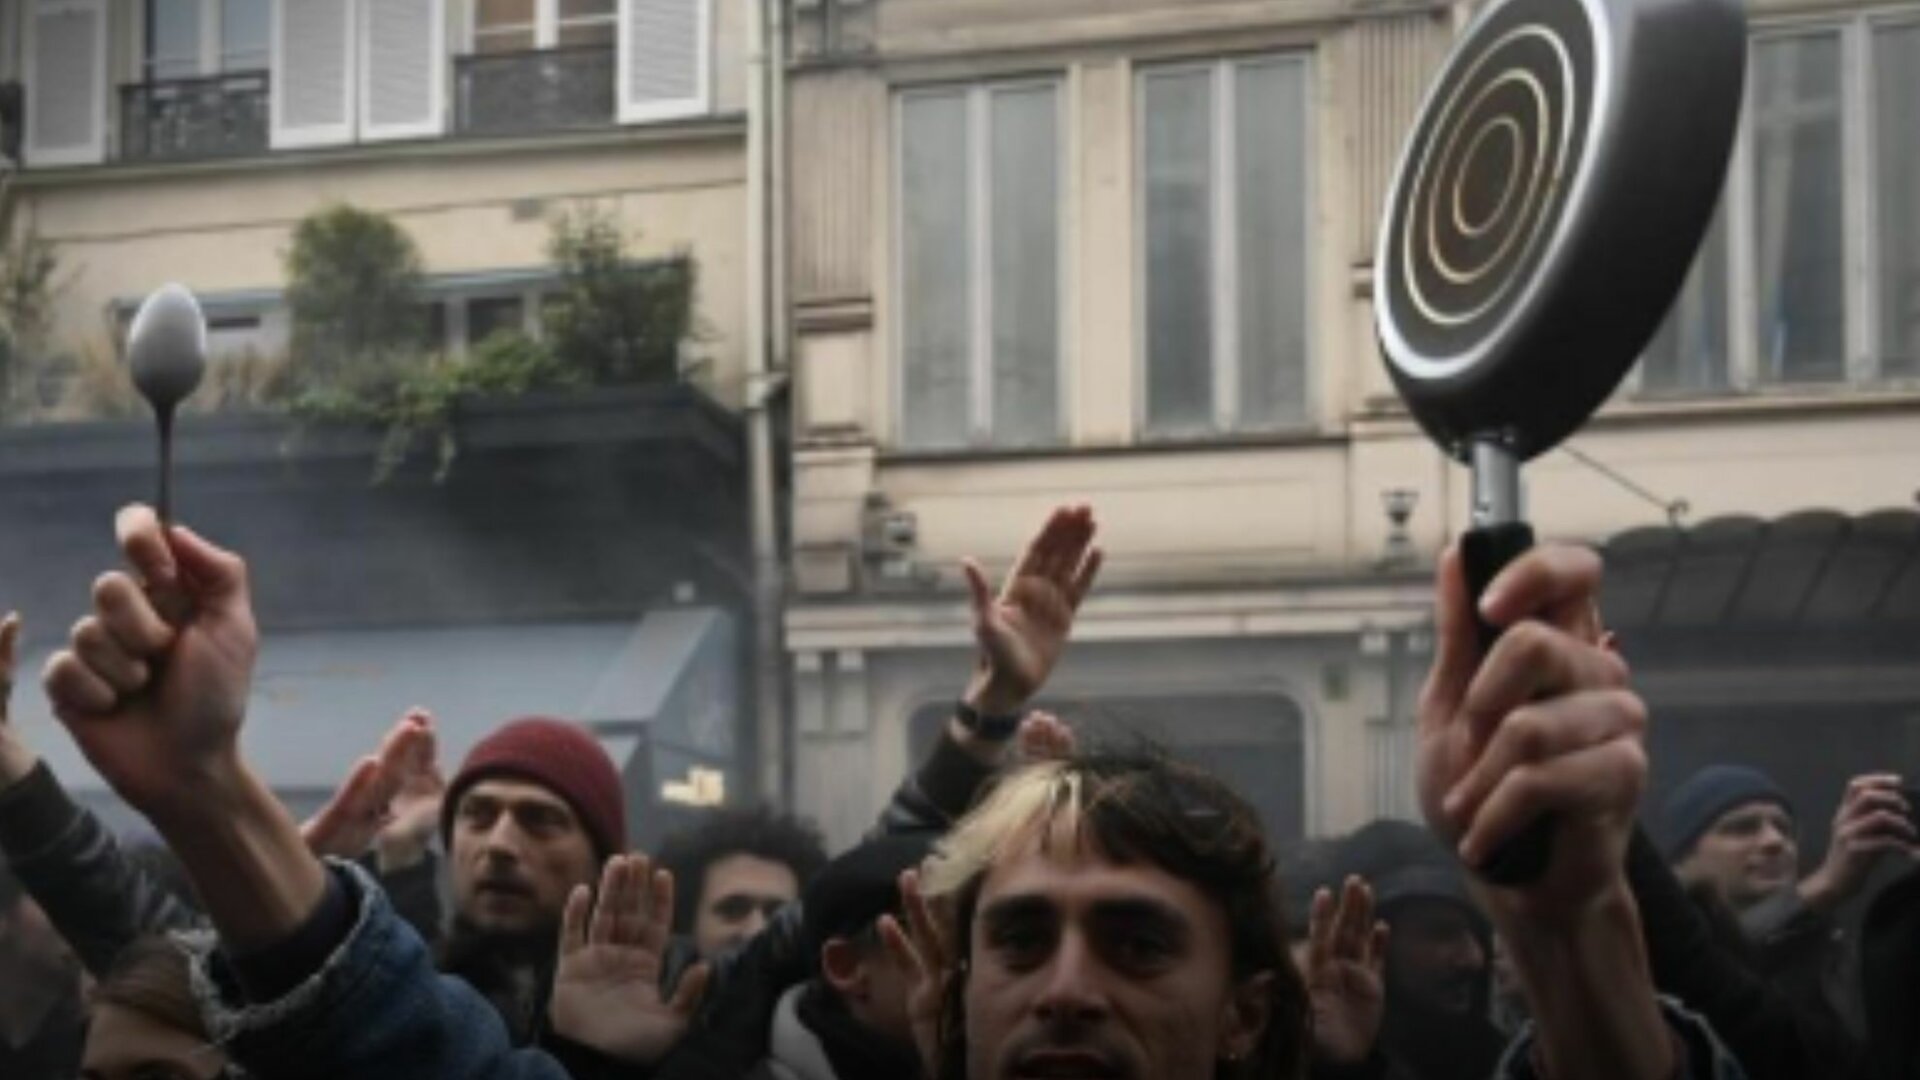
x,y
769,661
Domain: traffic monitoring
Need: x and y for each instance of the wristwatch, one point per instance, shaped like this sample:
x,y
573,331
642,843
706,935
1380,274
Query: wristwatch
x,y
988,727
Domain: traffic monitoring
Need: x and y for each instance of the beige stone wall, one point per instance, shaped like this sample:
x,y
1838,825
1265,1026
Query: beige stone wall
x,y
1220,546
216,227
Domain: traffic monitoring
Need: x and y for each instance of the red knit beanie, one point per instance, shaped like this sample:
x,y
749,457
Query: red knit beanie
x,y
564,758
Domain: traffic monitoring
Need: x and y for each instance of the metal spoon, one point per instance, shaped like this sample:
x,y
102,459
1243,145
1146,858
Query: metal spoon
x,y
167,349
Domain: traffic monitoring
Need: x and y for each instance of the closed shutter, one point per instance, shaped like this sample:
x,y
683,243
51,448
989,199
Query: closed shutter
x,y
403,46
66,83
313,73
665,59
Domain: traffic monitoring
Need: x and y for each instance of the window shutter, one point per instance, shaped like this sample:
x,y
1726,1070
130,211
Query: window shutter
x,y
664,59
313,73
403,49
66,80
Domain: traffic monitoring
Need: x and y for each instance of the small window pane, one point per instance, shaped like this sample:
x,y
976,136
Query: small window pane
x,y
1026,269
173,39
586,33
493,314
574,9
1178,157
1798,190
936,226
245,34
1690,353
503,26
1897,148
1270,114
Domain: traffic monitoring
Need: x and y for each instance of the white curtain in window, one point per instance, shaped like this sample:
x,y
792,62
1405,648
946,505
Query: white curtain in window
x,y
1177,161
1025,273
1270,232
1896,65
936,229
1690,353
1800,223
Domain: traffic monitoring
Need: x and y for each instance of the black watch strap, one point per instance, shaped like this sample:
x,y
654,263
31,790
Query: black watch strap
x,y
985,726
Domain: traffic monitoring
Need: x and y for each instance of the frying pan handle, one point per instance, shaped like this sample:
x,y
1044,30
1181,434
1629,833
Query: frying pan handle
x,y
1484,552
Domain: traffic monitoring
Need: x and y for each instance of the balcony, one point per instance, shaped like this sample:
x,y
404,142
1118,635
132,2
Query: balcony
x,y
544,90
192,119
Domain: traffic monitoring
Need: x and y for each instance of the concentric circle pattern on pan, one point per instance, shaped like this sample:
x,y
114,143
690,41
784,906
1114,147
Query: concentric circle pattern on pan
x,y
1490,174
1548,202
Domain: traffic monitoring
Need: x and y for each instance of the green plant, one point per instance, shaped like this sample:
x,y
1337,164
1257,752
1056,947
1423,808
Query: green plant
x,y
29,285
615,320
409,403
353,279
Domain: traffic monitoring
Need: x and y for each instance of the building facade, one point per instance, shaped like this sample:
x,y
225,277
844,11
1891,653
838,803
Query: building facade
x,y
183,140
1121,252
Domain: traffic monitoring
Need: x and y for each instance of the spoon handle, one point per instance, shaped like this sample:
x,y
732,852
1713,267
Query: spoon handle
x,y
165,506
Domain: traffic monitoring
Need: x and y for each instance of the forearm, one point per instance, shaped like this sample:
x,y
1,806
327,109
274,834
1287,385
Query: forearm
x,y
17,759
253,871
1588,983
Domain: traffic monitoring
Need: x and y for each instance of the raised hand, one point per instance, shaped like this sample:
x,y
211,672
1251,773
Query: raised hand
x,y
1023,629
366,802
922,952
1346,987
1044,737
606,989
1543,724
1871,822
17,759
155,703
415,812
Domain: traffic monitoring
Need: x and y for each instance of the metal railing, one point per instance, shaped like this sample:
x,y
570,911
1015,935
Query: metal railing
x,y
544,90
186,119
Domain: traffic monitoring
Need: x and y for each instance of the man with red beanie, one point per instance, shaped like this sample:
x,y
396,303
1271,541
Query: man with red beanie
x,y
535,810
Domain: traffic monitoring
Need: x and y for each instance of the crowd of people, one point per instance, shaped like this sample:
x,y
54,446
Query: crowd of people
x,y
1024,906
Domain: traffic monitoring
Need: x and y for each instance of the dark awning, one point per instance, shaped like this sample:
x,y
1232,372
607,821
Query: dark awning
x,y
1812,571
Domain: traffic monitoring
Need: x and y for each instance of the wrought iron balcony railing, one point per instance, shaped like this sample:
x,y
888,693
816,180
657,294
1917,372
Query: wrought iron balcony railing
x,y
183,119
545,90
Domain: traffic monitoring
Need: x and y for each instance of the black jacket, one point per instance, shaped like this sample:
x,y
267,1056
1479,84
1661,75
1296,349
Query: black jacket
x,y
1890,980
729,1038
1772,1036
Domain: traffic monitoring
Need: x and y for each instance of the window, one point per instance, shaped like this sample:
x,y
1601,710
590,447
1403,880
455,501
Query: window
x,y
501,26
490,315
505,26
1896,141
173,39
1225,248
246,41
1823,210
979,205
187,39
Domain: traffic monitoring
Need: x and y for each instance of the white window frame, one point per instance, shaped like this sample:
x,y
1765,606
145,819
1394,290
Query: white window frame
x,y
979,102
1224,253
546,23
1859,240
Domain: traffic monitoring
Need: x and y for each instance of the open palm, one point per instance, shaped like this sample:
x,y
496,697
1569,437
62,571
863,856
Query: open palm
x,y
1024,628
606,988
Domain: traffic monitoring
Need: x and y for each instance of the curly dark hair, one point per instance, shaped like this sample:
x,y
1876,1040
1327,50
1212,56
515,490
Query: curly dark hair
x,y
758,831
1133,806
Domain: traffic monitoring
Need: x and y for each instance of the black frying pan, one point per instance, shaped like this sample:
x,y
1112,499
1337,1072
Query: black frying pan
x,y
1546,208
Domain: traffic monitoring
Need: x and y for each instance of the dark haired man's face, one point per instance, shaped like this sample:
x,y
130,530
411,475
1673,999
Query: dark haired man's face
x,y
1435,960
518,851
737,896
1081,967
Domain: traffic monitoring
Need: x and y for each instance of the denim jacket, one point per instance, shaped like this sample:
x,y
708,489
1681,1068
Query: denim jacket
x,y
375,1010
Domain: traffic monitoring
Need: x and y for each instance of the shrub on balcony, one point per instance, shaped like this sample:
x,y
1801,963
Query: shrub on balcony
x,y
616,319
